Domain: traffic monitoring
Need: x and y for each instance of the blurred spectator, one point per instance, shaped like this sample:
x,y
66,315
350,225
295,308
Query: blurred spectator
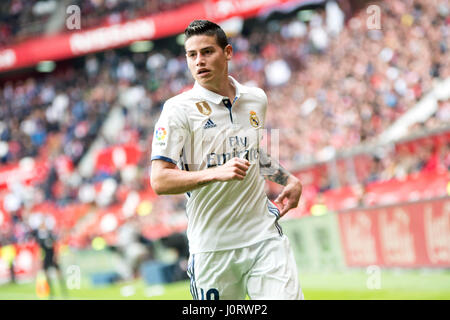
x,y
133,248
361,193
445,156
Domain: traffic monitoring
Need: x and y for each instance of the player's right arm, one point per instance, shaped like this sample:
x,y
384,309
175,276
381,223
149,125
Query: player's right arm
x,y
166,178
171,132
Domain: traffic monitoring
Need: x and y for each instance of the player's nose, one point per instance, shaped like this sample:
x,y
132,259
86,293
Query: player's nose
x,y
200,61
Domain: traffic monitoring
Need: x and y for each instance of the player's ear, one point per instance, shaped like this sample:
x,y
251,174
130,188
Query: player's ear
x,y
228,51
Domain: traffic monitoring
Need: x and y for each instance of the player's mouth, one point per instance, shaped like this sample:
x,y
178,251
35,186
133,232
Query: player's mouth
x,y
203,72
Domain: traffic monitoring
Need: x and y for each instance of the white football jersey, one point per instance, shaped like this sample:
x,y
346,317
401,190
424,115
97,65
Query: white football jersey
x,y
199,129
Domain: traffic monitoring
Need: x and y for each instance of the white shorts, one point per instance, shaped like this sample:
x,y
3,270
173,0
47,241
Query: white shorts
x,y
265,270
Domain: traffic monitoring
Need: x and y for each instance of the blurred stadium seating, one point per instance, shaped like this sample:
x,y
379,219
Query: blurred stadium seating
x,y
75,142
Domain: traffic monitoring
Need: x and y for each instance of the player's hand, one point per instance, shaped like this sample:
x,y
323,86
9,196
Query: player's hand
x,y
291,194
233,169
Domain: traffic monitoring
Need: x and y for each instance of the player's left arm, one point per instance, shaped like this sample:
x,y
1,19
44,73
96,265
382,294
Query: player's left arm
x,y
271,170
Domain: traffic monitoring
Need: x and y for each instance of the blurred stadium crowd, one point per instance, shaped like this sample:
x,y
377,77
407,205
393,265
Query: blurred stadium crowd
x,y
330,88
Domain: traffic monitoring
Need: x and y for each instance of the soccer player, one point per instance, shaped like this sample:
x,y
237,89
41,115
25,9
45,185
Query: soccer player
x,y
46,240
212,133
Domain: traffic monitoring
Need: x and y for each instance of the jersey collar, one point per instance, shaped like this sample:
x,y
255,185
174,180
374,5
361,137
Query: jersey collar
x,y
217,98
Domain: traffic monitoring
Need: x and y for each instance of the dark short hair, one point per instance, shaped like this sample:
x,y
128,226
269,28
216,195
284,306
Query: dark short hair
x,y
208,28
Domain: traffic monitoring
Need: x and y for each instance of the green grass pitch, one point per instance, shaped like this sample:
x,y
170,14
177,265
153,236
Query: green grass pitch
x,y
346,285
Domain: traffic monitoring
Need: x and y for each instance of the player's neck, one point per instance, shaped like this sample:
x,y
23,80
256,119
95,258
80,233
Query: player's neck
x,y
224,88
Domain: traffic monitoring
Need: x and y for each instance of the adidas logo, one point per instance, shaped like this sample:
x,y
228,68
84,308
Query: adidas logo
x,y
209,124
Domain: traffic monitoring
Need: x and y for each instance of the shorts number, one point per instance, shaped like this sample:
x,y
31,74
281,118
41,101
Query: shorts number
x,y
211,294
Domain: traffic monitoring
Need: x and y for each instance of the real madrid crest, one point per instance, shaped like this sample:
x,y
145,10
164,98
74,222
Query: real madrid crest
x,y
254,120
204,108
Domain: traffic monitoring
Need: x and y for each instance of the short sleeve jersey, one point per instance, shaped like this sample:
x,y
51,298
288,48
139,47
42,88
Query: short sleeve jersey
x,y
199,129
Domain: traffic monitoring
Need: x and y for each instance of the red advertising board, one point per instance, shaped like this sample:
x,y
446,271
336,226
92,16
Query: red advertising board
x,y
408,235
